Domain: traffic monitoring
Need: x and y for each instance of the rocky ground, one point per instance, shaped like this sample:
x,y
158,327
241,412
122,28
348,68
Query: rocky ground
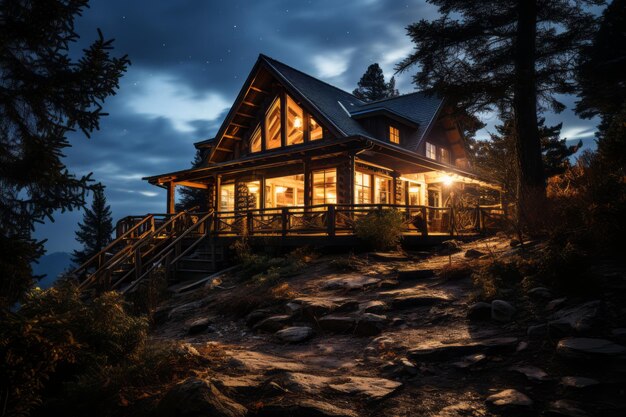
x,y
393,335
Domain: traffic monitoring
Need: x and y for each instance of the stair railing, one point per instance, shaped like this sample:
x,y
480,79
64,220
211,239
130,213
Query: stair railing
x,y
173,248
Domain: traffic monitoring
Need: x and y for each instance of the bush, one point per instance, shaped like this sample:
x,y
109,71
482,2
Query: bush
x,y
381,229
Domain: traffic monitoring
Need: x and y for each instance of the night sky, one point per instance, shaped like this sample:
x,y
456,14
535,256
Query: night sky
x,y
189,60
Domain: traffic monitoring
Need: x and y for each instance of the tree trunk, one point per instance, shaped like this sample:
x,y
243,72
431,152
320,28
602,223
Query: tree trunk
x,y
531,187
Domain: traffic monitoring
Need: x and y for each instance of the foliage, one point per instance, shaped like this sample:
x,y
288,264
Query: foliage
x,y
94,233
510,56
380,229
57,336
193,197
44,95
149,293
372,85
498,274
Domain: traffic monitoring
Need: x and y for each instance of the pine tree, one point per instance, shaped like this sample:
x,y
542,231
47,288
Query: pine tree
x,y
44,94
193,197
508,56
94,233
372,85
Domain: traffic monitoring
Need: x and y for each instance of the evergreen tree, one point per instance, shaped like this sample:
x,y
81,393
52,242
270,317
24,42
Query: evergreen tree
x,y
94,233
44,94
510,56
372,85
193,197
602,77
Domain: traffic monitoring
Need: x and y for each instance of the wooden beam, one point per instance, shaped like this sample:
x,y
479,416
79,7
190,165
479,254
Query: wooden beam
x,y
258,90
193,184
223,149
245,115
171,198
232,137
240,126
249,103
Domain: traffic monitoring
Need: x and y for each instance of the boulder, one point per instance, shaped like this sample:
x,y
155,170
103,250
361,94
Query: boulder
x,y
336,323
540,292
196,397
509,400
370,324
578,382
565,408
198,326
415,274
273,323
502,311
538,331
479,311
295,334
589,348
442,352
575,320
373,306
473,254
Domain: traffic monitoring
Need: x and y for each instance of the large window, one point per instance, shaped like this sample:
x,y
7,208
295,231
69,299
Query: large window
x,y
382,190
255,140
431,151
295,123
252,194
325,187
272,126
315,130
362,188
394,134
284,191
414,194
227,197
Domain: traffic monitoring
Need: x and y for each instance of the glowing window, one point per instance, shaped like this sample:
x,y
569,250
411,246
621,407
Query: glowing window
x,y
227,197
362,188
325,187
394,135
255,140
431,151
295,123
315,130
272,126
382,187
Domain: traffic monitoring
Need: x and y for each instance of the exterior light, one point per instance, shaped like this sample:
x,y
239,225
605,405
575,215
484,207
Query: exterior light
x,y
414,189
253,188
447,180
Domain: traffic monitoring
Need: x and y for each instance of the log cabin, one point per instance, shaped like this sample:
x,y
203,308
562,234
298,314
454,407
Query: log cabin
x,y
295,154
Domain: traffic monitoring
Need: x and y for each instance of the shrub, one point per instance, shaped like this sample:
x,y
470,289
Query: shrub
x,y
149,293
380,229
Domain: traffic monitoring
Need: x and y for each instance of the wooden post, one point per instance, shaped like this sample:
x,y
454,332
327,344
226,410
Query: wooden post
x,y
171,197
218,192
307,182
249,222
451,223
284,217
331,220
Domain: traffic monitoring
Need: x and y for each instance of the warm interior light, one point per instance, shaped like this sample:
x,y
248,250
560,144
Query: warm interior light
x,y
297,122
280,189
253,188
447,180
414,189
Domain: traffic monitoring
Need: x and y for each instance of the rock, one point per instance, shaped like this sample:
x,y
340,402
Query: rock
x,y
470,360
295,334
315,307
473,254
448,247
442,352
373,306
350,282
397,321
293,309
371,389
479,311
273,324
256,316
589,348
414,301
578,382
188,351
576,320
198,326
509,399
303,408
347,306
184,309
245,385
565,408
502,311
514,243
556,303
540,292
522,346
388,256
336,323
531,372
415,274
370,324
538,331
196,397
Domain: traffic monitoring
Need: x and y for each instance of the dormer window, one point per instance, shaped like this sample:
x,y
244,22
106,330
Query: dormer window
x,y
394,135
431,151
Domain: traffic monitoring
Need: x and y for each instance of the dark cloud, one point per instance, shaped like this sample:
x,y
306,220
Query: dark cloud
x,y
191,57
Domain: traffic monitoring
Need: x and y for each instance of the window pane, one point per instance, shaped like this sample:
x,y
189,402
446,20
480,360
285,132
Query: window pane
x,y
295,123
284,191
394,135
362,188
382,186
431,151
444,155
325,187
315,130
272,125
227,197
253,194
255,140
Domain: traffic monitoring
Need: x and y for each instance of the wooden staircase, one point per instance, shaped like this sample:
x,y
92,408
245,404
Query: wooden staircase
x,y
183,244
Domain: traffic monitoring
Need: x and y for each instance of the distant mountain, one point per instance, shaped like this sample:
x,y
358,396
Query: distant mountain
x,y
52,266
